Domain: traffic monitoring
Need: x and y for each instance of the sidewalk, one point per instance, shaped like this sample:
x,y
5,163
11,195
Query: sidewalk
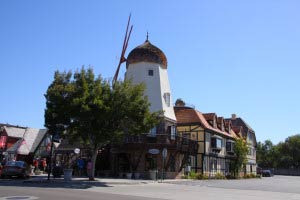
x,y
106,181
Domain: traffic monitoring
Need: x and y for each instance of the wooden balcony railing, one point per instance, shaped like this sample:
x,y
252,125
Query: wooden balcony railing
x,y
182,144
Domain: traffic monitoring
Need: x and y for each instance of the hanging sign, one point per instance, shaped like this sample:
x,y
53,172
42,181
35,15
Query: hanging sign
x,y
153,151
77,150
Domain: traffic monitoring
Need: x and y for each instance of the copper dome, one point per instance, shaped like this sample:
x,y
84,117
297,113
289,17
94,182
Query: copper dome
x,y
147,52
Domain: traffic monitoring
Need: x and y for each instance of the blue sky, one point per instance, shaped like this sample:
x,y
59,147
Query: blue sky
x,y
223,56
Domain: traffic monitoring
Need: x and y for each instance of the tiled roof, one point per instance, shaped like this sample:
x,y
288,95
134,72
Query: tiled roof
x,y
187,115
14,132
28,144
238,130
209,116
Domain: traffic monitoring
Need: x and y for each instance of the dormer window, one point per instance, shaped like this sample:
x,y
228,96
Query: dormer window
x,y
167,99
214,124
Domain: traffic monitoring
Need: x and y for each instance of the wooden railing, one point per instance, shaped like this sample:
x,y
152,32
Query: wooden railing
x,y
182,144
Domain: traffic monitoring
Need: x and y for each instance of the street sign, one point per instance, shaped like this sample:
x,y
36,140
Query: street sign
x,y
153,151
77,150
164,153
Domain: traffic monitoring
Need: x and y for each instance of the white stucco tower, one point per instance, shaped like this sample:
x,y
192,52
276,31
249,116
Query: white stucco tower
x,y
148,64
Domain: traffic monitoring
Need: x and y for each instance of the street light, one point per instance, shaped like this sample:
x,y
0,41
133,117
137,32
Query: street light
x,y
55,138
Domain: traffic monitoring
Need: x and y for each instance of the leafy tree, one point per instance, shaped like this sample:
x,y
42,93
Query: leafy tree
x,y
240,150
289,152
267,154
94,113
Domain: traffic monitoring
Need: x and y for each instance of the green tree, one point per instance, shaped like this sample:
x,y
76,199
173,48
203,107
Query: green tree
x,y
94,113
289,152
240,150
267,154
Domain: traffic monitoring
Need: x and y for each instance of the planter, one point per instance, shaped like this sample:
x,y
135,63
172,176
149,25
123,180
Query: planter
x,y
153,174
68,174
128,175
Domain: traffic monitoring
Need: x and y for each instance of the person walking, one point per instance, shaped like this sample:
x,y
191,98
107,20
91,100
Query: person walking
x,y
89,168
80,165
44,164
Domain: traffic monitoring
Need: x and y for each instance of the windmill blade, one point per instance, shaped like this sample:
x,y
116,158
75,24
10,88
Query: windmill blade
x,y
124,47
128,39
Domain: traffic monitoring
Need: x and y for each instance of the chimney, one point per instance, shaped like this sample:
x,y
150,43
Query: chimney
x,y
179,103
233,116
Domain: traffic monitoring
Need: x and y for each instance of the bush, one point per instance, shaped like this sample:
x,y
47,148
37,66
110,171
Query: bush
x,y
200,176
229,176
219,176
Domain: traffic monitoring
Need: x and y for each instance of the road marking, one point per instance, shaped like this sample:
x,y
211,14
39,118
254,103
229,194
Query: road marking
x,y
19,198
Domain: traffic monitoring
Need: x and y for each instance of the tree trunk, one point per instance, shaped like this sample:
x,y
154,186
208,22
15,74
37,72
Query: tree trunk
x,y
94,157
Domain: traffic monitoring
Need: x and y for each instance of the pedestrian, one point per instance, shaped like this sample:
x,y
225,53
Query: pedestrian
x,y
89,168
35,164
44,164
80,165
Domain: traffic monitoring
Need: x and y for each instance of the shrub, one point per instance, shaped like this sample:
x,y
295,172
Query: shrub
x,y
229,176
200,176
193,175
219,176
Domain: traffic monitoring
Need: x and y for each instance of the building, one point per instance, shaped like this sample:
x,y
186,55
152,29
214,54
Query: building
x,y
21,143
143,154
249,134
214,138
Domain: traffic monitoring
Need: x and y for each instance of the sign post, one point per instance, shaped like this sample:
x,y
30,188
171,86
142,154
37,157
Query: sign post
x,y
164,156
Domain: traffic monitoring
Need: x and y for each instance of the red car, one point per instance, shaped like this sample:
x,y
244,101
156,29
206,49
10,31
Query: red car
x,y
15,168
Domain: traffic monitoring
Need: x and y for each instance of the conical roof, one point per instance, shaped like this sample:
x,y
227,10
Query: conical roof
x,y
147,52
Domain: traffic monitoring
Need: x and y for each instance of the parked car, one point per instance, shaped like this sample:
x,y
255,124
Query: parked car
x,y
15,168
258,170
267,173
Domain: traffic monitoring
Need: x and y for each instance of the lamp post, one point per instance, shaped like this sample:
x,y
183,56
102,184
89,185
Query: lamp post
x,y
50,163
54,138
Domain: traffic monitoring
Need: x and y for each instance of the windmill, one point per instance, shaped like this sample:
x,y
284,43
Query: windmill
x,y
125,44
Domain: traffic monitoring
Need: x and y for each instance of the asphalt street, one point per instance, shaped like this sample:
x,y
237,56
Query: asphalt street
x,y
27,193
274,188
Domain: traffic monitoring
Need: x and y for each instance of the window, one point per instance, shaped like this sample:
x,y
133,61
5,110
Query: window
x,y
173,132
167,98
229,146
216,143
153,132
150,72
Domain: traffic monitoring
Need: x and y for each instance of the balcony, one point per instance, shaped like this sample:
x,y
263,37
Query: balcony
x,y
182,144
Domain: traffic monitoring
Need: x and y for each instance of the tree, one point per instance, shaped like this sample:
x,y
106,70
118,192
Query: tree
x,y
289,152
94,113
267,154
240,150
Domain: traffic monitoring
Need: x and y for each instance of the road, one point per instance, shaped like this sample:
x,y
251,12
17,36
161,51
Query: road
x,y
27,193
274,188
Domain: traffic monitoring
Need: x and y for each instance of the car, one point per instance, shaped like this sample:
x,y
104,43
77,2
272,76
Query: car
x,y
258,170
266,173
15,168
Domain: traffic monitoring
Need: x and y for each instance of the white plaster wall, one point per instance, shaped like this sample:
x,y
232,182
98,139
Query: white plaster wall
x,y
156,85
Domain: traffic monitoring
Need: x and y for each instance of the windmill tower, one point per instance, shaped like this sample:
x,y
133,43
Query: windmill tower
x,y
148,64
